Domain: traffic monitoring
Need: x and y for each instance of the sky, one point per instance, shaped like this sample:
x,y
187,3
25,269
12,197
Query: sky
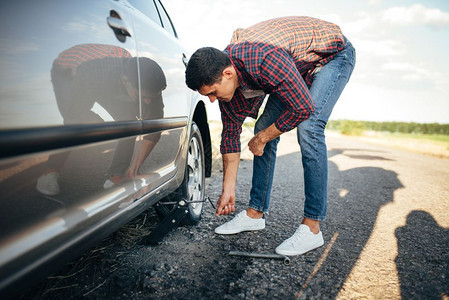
x,y
402,68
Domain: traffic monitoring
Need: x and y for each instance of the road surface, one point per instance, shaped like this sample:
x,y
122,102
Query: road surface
x,y
386,236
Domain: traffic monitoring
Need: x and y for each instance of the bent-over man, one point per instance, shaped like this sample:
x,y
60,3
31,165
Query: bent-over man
x,y
303,64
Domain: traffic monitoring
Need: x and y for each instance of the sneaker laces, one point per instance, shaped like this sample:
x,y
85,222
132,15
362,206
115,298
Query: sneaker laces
x,y
295,237
236,218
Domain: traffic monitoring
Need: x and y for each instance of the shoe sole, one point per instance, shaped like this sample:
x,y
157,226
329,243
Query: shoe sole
x,y
226,232
293,253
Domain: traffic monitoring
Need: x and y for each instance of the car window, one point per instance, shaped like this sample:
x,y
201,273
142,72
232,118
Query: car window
x,y
165,19
148,8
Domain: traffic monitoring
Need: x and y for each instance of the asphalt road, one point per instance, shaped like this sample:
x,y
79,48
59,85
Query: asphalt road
x,y
386,237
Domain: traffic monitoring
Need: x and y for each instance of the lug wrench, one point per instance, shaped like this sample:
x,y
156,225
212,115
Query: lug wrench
x,y
261,255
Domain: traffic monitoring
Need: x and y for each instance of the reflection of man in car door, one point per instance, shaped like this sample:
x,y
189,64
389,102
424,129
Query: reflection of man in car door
x,y
92,73
153,82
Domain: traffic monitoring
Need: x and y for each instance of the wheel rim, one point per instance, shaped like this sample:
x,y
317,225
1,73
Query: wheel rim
x,y
195,169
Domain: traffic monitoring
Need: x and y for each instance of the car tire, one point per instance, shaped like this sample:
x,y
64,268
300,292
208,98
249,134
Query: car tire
x,y
193,186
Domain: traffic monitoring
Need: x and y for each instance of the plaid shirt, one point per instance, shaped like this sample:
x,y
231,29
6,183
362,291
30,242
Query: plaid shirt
x,y
79,54
278,56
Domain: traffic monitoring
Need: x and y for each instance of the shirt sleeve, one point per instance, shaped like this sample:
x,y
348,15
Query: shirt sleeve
x,y
279,75
230,135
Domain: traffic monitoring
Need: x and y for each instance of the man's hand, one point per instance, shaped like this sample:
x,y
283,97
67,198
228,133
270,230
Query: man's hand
x,y
258,142
256,145
225,204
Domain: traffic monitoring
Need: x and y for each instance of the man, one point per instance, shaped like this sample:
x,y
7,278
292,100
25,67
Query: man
x,y
303,64
106,74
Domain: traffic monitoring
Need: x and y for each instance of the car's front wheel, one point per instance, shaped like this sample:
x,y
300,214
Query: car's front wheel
x,y
192,188
195,177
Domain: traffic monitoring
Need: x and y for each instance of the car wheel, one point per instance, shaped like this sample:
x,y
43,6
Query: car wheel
x,y
192,188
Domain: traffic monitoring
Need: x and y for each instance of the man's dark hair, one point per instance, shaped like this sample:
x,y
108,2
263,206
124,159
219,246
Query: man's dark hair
x,y
205,67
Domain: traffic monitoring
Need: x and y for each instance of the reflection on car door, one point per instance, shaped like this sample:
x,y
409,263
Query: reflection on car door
x,y
74,70
164,98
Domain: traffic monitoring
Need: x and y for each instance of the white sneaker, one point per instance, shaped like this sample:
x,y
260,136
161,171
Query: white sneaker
x,y
241,222
47,184
301,242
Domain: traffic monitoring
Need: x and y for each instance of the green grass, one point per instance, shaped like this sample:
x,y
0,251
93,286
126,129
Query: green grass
x,y
430,144
435,139
429,137
439,139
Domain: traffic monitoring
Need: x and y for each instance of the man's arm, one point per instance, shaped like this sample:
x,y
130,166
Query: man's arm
x,y
232,118
226,202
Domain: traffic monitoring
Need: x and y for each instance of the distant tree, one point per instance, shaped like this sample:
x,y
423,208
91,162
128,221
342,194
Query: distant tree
x,y
351,127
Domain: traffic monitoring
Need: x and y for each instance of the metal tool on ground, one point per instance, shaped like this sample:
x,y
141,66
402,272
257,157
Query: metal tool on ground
x,y
261,255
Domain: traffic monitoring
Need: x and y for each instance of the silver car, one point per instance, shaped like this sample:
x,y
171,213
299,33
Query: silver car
x,y
96,126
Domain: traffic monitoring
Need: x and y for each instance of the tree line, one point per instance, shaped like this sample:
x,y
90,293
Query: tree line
x,y
357,127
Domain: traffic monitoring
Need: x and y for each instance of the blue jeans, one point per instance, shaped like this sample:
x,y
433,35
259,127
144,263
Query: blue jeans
x,y
328,83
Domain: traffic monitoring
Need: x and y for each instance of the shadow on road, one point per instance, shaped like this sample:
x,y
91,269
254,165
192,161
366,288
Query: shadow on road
x,y
193,263
354,199
423,257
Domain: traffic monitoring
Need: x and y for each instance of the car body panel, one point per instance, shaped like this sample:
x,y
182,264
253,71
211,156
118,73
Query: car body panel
x,y
88,91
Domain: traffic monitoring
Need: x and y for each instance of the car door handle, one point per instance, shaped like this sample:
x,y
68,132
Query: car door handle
x,y
117,24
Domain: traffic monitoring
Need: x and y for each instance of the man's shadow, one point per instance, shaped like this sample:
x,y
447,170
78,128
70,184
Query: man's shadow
x,y
423,257
355,197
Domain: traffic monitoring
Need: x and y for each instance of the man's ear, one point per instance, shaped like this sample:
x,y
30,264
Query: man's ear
x,y
228,72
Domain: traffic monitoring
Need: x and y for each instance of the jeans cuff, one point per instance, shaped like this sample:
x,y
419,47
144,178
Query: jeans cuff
x,y
265,211
317,218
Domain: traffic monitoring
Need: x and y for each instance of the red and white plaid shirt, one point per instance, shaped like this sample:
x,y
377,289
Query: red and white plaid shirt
x,y
279,57
79,54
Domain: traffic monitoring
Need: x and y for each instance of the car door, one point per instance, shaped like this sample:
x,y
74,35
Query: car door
x,y
165,99
69,118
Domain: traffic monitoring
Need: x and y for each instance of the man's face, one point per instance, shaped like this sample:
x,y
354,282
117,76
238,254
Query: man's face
x,y
223,91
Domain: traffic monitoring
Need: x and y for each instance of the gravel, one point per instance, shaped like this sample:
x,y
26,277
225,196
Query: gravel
x,y
193,262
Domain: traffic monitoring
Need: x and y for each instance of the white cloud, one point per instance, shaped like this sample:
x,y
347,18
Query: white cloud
x,y
366,23
374,2
88,25
333,18
369,102
399,66
418,73
411,72
205,23
379,47
416,14
393,69
12,46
